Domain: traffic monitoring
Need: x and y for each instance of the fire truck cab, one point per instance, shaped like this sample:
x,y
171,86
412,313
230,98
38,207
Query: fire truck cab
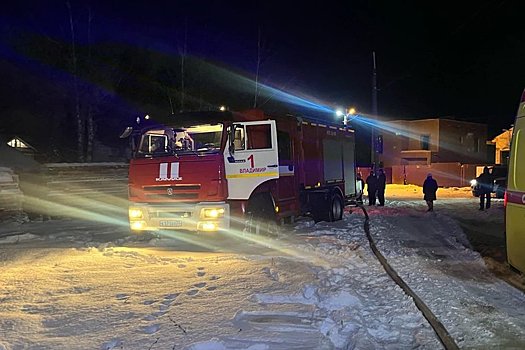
x,y
216,171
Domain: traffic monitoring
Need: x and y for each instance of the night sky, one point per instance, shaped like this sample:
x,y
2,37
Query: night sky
x,y
463,59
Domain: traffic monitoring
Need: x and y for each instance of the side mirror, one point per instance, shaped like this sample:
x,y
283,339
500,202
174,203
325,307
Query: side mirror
x,y
126,132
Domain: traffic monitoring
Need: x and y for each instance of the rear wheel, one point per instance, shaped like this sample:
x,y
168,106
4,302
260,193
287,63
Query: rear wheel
x,y
335,212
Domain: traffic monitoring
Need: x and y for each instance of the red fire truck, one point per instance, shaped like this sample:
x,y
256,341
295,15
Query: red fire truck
x,y
216,171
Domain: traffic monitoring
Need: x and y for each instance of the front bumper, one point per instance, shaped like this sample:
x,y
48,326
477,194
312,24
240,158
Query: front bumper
x,y
204,216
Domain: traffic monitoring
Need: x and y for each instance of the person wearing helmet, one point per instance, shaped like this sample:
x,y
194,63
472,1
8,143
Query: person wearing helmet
x,y
430,187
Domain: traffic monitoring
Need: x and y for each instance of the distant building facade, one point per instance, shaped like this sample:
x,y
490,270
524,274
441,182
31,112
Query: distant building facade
x,y
502,146
427,141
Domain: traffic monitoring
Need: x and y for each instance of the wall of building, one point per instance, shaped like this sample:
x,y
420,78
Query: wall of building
x,y
462,142
394,141
502,143
405,135
417,128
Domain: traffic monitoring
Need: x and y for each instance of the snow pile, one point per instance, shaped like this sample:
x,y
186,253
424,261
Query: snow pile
x,y
431,252
90,285
318,289
16,238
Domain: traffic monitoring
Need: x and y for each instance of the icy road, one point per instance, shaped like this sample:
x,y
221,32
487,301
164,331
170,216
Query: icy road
x,y
71,284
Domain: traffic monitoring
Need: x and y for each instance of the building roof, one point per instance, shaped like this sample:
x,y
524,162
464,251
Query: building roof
x,y
18,143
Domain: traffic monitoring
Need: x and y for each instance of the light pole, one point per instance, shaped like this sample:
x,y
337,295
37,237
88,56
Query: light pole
x,y
373,150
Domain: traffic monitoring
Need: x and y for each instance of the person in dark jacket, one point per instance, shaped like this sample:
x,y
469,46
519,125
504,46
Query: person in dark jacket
x,y
381,185
371,182
430,187
485,182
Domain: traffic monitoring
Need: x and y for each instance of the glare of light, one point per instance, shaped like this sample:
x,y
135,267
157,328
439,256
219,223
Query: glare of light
x,y
473,182
208,226
137,225
222,108
276,208
146,117
213,213
351,111
339,113
135,213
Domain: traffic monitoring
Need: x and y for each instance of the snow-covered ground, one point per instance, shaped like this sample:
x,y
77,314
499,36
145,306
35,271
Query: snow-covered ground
x,y
72,284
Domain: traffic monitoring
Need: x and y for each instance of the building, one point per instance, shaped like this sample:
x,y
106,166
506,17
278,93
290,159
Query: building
x,y
428,141
22,146
502,145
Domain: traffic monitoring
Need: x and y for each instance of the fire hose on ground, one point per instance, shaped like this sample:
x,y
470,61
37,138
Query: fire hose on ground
x,y
442,333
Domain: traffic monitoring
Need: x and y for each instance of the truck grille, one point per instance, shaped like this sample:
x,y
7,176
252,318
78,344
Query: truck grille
x,y
170,214
174,188
172,196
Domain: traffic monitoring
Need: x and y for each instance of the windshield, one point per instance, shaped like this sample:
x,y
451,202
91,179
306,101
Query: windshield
x,y
181,141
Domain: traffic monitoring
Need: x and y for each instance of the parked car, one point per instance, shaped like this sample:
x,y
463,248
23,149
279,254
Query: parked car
x,y
499,172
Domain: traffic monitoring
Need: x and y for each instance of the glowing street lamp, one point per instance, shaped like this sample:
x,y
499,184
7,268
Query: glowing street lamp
x,y
346,113
222,108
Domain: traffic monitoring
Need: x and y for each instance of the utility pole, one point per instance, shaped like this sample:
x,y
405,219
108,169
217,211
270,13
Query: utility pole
x,y
373,150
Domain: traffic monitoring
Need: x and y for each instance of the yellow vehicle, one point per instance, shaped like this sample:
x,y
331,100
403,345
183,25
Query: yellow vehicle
x,y
515,194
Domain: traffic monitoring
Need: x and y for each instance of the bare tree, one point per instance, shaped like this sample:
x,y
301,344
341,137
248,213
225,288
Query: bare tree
x,y
74,70
90,122
263,56
182,53
257,67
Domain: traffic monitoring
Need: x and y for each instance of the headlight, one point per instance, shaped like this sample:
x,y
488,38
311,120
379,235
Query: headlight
x,y
213,213
135,214
138,225
473,182
207,226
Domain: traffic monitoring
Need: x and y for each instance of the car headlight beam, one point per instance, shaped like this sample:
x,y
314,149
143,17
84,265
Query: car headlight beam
x,y
135,214
213,213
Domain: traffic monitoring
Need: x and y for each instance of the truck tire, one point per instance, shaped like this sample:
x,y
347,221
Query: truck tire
x,y
260,217
335,211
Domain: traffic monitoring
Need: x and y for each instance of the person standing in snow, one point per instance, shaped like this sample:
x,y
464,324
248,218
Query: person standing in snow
x,y
430,187
485,183
360,187
381,185
371,182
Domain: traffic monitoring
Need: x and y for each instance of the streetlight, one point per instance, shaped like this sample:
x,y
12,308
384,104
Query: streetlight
x,y
346,113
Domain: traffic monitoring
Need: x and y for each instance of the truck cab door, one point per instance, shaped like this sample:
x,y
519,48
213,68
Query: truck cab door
x,y
253,158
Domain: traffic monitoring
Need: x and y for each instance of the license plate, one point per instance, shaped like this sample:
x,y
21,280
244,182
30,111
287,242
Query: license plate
x,y
170,223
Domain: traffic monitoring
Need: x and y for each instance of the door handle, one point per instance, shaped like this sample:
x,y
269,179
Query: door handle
x,y
272,166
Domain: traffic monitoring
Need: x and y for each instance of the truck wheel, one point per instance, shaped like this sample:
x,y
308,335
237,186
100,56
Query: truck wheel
x,y
335,212
261,225
260,219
